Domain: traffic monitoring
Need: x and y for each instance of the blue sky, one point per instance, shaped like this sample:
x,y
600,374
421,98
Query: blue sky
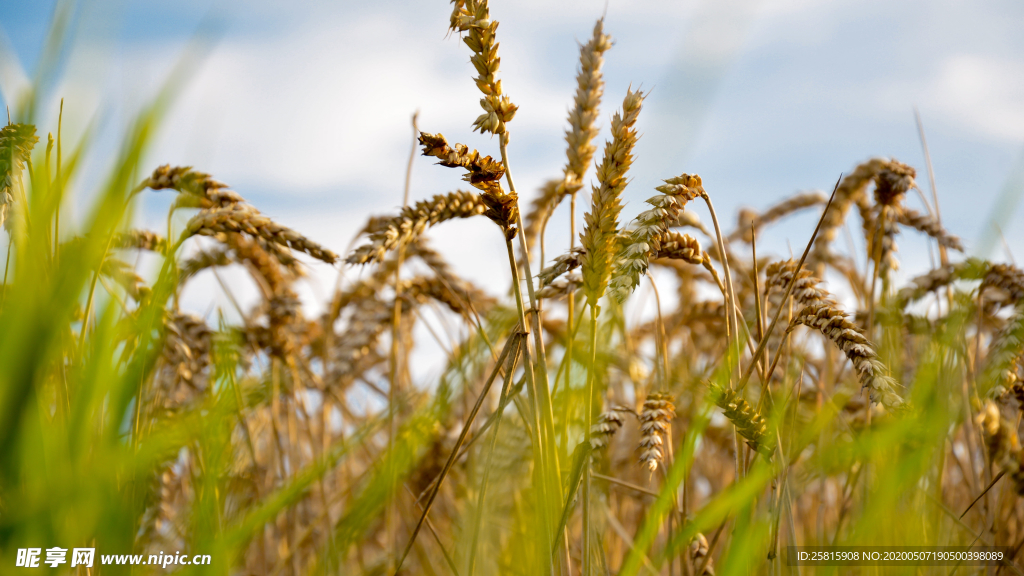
x,y
304,107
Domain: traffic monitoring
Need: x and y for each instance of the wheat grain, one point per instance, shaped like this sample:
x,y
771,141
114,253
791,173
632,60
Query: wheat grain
x,y
698,554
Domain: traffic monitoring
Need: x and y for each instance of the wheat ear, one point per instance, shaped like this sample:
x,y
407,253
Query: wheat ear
x,y
403,229
602,221
930,226
579,137
805,292
852,190
656,415
483,173
833,323
243,218
16,144
652,224
748,422
473,17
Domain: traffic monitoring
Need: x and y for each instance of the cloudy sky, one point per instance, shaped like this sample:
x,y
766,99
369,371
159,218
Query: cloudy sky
x,y
304,107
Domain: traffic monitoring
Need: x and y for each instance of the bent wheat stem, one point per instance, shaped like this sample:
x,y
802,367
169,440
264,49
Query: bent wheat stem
x,y
509,344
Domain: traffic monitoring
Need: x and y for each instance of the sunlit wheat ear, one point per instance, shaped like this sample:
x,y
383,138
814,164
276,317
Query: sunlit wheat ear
x,y
16,144
748,217
930,226
778,275
479,168
748,422
834,325
245,219
583,117
598,236
391,233
645,239
198,189
698,553
579,137
656,415
473,17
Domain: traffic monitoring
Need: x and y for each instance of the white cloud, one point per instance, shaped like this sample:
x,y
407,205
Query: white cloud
x,y
983,94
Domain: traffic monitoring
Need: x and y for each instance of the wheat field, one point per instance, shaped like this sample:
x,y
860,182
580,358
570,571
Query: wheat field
x,y
773,401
